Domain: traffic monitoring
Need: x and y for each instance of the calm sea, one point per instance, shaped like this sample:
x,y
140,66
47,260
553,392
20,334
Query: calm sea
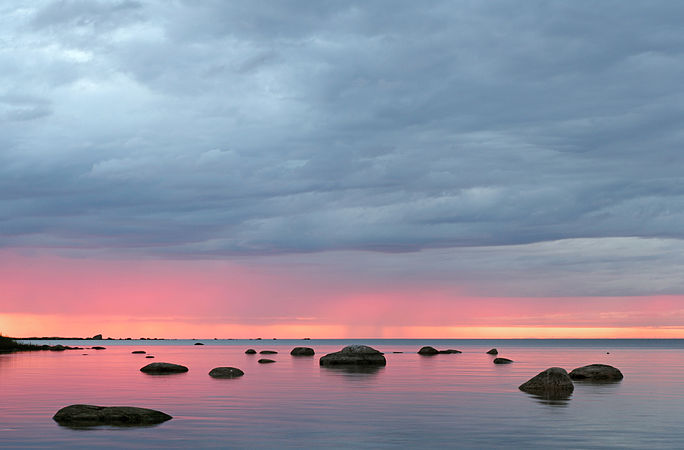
x,y
456,401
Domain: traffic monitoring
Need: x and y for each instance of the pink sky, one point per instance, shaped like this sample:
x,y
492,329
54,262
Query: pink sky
x,y
48,295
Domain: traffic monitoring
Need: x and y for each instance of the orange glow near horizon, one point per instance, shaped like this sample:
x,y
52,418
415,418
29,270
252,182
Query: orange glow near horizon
x,y
52,296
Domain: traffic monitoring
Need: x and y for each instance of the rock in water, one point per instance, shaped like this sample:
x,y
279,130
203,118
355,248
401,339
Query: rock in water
x,y
493,352
91,415
265,361
149,356
302,351
138,352
250,351
354,355
502,361
98,347
598,372
198,343
226,372
428,351
449,351
551,383
268,352
161,368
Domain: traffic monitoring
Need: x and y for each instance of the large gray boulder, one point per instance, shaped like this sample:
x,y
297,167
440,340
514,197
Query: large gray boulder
x,y
302,351
551,383
91,415
354,355
428,351
162,368
597,372
225,372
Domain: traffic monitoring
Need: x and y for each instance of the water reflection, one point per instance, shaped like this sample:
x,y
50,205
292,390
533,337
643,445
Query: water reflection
x,y
354,371
551,399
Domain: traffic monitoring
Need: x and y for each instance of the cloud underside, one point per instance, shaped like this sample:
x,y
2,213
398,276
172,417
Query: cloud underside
x,y
221,129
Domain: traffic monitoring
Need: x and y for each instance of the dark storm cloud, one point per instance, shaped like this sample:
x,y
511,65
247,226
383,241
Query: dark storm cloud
x,y
194,129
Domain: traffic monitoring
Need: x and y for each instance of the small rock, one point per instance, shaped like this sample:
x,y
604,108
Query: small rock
x,y
302,351
91,415
138,352
551,383
268,352
163,368
502,361
428,351
250,351
97,347
354,355
198,343
493,352
225,372
450,351
265,361
149,356
599,372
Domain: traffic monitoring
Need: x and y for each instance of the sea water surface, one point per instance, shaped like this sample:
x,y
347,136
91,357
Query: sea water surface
x,y
451,400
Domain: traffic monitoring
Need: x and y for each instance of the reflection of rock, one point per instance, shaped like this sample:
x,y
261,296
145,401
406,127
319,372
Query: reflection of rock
x,y
551,383
428,351
265,361
163,368
302,351
250,351
493,352
354,369
138,352
226,372
91,415
355,355
596,372
268,352
502,361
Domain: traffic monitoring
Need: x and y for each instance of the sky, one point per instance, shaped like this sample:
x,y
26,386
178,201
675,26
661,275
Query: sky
x,y
342,169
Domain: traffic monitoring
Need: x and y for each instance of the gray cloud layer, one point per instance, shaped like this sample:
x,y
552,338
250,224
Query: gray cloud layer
x,y
194,129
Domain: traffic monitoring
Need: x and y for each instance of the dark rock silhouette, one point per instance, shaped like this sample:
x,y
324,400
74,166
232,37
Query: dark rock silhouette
x,y
449,351
198,343
502,361
428,351
596,372
225,372
354,355
250,351
149,356
265,361
98,347
160,368
97,337
302,351
91,415
138,352
268,352
551,383
493,352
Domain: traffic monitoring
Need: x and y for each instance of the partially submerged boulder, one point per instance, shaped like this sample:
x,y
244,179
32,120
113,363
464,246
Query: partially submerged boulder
x,y
354,355
226,372
449,351
91,415
428,351
265,361
268,352
502,361
250,351
162,368
596,372
149,356
302,351
551,383
493,352
138,352
198,343
98,347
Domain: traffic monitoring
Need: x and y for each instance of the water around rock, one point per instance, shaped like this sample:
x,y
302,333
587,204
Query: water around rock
x,y
354,355
92,415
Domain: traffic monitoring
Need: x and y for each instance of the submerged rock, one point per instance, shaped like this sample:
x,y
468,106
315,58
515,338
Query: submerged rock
x,y
302,351
265,361
149,356
98,347
598,372
226,372
163,368
502,361
493,352
427,350
449,351
354,355
138,352
198,343
250,351
551,383
268,352
91,415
